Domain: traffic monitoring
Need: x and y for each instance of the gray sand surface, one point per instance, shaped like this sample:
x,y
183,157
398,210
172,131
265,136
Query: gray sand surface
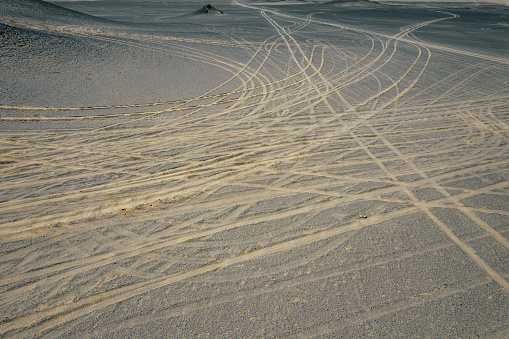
x,y
301,169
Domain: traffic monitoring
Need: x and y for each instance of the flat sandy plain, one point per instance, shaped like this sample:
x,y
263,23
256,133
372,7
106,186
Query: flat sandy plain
x,y
287,169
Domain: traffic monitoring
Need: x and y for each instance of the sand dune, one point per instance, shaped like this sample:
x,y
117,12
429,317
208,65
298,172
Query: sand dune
x,y
290,169
42,12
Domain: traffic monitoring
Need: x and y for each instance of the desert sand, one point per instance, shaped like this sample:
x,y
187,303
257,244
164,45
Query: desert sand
x,y
260,168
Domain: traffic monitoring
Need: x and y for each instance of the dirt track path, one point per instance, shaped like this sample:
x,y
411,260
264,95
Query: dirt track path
x,y
322,141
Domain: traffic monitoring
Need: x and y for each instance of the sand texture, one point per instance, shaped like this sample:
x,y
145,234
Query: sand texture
x,y
300,169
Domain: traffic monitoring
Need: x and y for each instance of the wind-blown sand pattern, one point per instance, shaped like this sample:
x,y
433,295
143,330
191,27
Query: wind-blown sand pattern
x,y
304,169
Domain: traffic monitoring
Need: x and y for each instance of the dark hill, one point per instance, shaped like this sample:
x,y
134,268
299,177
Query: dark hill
x,y
207,10
44,12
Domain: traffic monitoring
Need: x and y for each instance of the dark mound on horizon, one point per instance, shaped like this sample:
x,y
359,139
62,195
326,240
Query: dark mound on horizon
x,y
206,10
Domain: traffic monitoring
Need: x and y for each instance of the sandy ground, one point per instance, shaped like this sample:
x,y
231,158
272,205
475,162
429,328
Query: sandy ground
x,y
305,169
